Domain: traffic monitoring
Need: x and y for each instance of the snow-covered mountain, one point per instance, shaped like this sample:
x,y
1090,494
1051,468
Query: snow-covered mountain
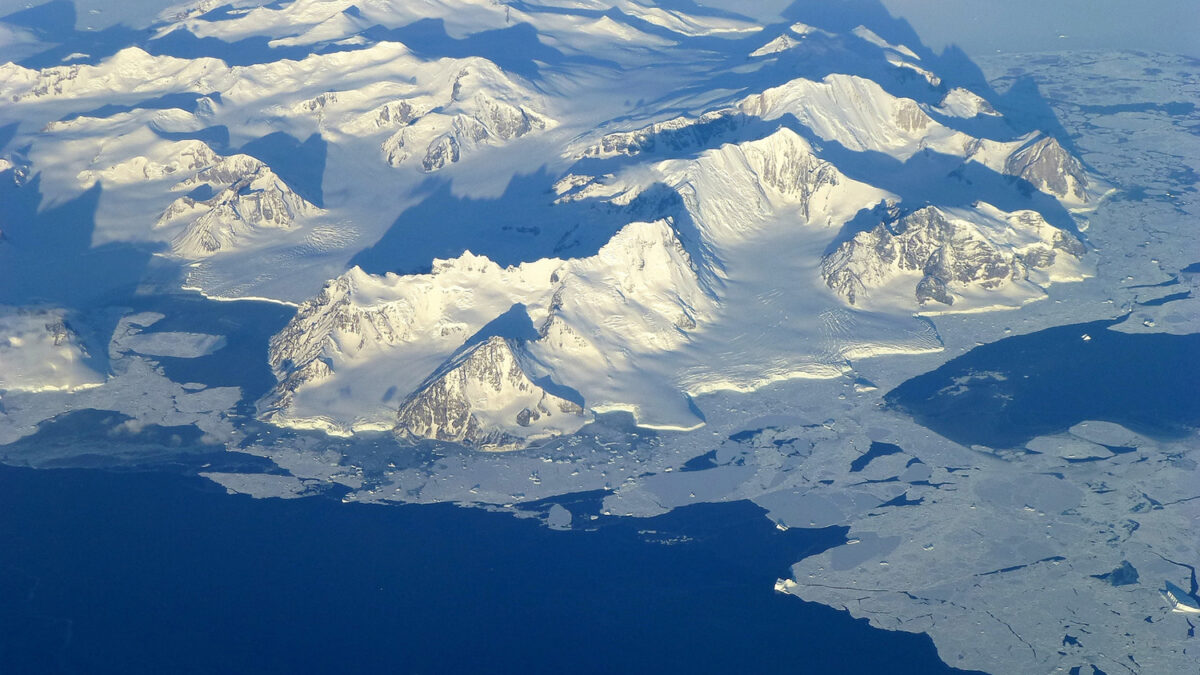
x,y
942,255
436,120
398,338
271,158
485,398
661,202
246,199
362,345
860,116
350,241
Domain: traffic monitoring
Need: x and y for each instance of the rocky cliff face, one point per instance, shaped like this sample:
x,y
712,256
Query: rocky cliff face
x,y
1050,168
946,253
248,199
699,185
676,134
640,294
440,140
480,106
484,398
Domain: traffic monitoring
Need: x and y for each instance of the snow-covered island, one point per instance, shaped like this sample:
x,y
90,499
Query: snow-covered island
x,y
667,254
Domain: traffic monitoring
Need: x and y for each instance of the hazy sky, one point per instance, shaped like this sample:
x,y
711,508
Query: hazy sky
x,y
988,26
982,26
978,26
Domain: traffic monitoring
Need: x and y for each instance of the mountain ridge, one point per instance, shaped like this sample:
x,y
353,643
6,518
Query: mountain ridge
x,y
691,150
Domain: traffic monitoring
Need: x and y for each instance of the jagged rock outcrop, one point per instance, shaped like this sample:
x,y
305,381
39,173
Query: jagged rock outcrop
x,y
675,134
786,163
331,324
381,337
943,252
733,190
730,174
249,198
484,398
482,120
395,322
1046,164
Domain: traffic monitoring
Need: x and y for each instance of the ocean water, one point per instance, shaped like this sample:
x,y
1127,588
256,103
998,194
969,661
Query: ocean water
x,y
151,572
1007,392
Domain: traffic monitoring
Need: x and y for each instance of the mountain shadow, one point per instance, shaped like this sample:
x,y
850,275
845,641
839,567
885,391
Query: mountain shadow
x,y
515,49
54,24
523,224
47,258
1051,380
300,164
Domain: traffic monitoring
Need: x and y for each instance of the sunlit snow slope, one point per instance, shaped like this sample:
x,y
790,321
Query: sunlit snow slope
x,y
499,220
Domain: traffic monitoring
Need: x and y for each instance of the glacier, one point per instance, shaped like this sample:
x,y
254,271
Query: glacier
x,y
598,240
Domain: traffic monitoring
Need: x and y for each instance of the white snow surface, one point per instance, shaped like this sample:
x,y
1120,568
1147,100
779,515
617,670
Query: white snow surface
x,y
642,326
669,203
40,352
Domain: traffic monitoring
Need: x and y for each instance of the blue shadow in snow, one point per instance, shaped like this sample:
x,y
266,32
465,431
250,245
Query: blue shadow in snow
x,y
300,164
925,178
46,258
182,43
522,224
516,326
1024,107
7,132
513,324
186,101
54,24
215,137
247,326
515,49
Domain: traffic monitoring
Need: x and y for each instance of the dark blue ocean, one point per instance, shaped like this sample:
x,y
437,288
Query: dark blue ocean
x,y
152,572
1055,378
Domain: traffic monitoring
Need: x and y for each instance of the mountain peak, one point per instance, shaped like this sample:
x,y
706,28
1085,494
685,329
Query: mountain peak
x,y
958,258
485,398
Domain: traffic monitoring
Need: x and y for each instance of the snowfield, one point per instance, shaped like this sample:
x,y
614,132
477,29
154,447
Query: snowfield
x,y
602,241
